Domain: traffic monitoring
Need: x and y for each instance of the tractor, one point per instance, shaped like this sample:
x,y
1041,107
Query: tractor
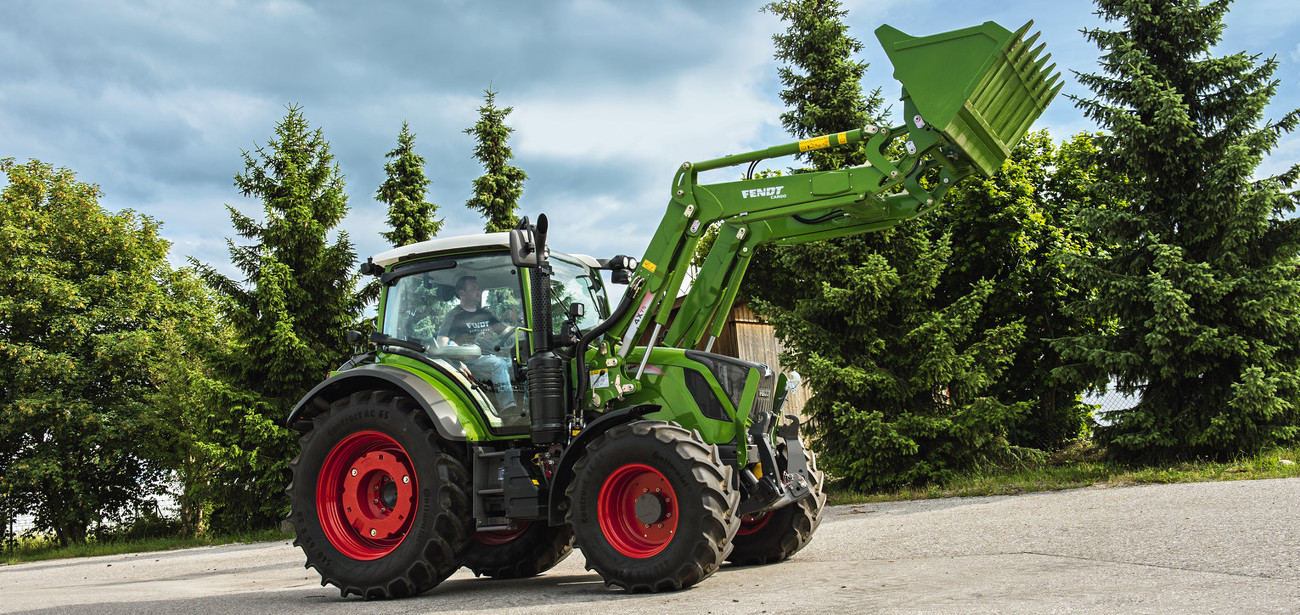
x,y
503,414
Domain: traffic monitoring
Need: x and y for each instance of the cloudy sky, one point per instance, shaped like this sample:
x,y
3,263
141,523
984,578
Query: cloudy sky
x,y
154,100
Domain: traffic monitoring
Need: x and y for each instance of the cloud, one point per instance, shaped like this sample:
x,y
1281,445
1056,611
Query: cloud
x,y
154,100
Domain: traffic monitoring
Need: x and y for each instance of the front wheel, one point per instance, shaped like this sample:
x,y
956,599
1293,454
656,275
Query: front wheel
x,y
775,535
380,509
652,508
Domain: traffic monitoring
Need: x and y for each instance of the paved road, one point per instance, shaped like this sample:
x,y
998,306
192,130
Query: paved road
x,y
1193,548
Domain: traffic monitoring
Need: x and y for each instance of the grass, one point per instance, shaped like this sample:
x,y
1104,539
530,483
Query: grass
x,y
45,548
1079,466
1083,466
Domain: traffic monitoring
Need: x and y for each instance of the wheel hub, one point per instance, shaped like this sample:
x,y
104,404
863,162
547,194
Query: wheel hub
x,y
638,510
366,495
375,500
650,508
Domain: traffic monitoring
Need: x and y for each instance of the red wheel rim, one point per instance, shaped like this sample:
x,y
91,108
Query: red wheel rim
x,y
752,523
496,538
637,510
366,495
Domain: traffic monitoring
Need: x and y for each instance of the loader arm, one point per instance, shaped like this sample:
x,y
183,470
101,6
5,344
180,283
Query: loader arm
x,y
968,97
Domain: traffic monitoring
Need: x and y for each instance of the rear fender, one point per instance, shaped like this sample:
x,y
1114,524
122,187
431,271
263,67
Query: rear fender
x,y
368,377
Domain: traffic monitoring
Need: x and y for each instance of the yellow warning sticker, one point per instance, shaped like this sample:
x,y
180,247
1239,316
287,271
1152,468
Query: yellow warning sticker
x,y
649,266
815,143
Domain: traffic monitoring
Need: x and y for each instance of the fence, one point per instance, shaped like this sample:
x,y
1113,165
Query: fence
x,y
1110,401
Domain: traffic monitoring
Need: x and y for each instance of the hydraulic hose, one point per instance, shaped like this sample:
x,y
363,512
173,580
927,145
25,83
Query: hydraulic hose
x,y
585,341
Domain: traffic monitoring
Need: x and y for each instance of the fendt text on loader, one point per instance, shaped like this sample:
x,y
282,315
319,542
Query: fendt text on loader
x,y
503,414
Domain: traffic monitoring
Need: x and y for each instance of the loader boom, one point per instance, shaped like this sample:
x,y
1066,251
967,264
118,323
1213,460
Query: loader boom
x,y
968,96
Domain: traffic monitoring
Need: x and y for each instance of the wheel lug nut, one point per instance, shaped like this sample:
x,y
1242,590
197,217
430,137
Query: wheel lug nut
x,y
406,479
354,471
373,533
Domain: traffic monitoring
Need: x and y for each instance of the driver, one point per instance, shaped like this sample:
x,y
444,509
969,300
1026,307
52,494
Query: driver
x,y
462,326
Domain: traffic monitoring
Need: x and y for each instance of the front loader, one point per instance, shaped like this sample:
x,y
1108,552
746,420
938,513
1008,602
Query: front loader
x,y
503,413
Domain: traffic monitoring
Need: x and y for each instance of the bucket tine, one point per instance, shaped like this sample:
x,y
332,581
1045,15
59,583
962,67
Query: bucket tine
x,y
982,87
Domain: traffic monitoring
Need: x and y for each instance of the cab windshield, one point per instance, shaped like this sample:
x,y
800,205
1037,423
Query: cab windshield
x,y
572,282
420,306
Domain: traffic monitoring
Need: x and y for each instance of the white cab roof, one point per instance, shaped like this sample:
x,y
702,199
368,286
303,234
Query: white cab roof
x,y
447,244
443,244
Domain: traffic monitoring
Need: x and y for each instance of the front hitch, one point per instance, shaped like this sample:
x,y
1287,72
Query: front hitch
x,y
768,493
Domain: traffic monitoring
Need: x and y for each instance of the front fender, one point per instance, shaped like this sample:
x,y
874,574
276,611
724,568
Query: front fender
x,y
578,447
367,377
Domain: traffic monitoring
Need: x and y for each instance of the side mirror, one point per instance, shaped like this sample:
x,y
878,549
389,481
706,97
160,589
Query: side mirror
x,y
528,243
523,247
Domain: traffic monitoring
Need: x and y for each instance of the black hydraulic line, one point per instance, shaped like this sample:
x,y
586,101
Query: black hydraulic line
x,y
823,218
580,354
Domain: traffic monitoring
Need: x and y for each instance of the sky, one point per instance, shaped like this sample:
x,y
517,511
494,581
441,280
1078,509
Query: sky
x,y
154,101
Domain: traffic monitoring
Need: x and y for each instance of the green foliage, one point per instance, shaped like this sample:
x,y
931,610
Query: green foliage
x,y
1012,230
928,346
496,192
1200,267
288,318
411,218
901,376
822,80
84,310
195,391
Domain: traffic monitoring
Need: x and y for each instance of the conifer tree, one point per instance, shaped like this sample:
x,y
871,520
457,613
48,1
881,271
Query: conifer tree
x,y
1200,273
411,218
1012,230
900,371
822,79
290,313
496,192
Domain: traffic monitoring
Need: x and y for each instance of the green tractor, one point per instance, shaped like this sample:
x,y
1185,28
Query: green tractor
x,y
504,414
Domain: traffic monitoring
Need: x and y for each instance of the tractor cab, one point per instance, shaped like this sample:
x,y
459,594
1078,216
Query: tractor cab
x,y
470,308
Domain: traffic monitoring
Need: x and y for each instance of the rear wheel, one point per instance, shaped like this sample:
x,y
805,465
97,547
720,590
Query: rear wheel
x,y
651,507
775,535
529,550
379,507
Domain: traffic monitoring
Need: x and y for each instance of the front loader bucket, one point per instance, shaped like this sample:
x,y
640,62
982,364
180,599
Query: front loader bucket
x,y
982,87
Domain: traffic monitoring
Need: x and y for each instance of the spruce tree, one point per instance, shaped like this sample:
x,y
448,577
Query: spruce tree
x,y
900,371
496,192
821,77
290,313
411,218
1011,230
1199,275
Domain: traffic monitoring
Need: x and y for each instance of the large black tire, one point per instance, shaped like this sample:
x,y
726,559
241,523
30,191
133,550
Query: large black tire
x,y
363,526
776,535
526,552
652,507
